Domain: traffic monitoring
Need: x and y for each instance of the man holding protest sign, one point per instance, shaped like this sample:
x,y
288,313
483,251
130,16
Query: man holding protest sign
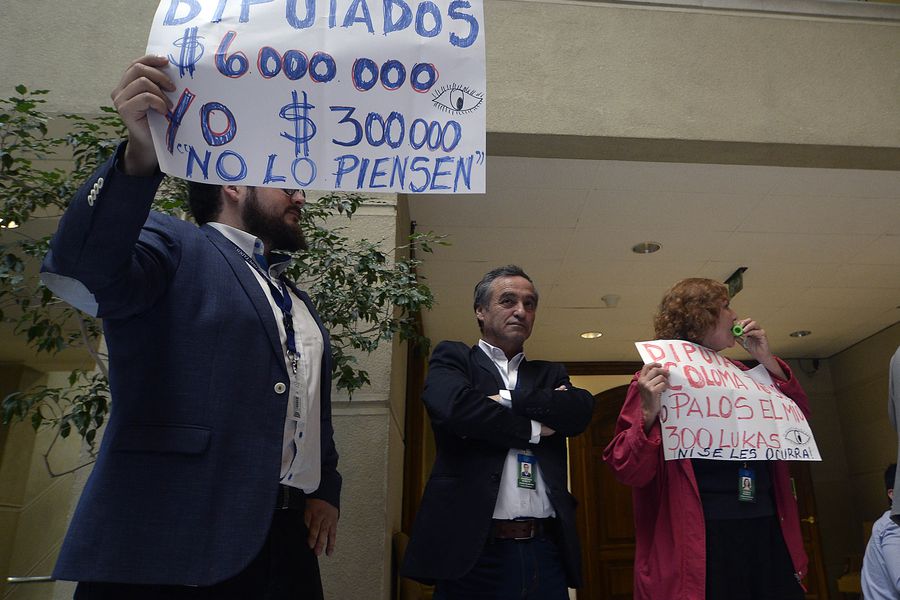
x,y
217,475
711,529
496,520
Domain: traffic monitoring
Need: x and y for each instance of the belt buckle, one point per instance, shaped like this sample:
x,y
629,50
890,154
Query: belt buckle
x,y
531,533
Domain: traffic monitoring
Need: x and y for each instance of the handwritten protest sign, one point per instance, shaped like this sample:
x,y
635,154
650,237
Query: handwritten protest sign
x,y
715,410
353,95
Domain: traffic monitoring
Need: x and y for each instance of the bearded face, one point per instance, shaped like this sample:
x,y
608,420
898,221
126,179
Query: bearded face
x,y
276,221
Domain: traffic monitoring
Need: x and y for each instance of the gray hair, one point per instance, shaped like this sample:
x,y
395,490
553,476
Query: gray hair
x,y
483,288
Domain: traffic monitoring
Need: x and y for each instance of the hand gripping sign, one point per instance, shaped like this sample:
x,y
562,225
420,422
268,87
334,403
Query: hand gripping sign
x,y
352,95
715,410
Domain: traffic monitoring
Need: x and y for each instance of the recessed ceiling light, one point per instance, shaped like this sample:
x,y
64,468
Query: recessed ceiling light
x,y
591,335
801,333
646,247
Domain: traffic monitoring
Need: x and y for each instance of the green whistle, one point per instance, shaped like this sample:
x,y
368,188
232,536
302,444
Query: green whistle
x,y
737,330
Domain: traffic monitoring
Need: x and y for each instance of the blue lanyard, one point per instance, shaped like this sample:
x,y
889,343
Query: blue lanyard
x,y
283,300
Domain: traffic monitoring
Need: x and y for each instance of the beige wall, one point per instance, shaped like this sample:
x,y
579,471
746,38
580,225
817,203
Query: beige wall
x,y
33,515
830,475
848,396
860,376
601,72
559,68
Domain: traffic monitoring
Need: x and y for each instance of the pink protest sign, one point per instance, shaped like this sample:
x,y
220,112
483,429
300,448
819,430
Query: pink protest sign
x,y
715,410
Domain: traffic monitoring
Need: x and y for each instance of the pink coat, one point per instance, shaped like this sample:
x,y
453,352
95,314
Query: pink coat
x,y
670,532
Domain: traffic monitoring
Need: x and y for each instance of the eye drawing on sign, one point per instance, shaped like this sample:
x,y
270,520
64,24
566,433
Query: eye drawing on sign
x,y
797,437
457,99
191,50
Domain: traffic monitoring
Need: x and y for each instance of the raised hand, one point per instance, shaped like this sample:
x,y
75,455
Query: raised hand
x,y
651,383
142,89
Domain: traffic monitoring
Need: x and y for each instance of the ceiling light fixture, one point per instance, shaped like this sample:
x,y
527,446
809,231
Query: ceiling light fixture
x,y
800,333
591,335
646,247
611,300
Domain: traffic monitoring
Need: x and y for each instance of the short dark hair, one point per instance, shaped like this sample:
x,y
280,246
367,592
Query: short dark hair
x,y
205,200
483,288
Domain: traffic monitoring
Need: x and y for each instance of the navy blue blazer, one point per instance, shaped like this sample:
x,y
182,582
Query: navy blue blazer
x,y
187,473
473,434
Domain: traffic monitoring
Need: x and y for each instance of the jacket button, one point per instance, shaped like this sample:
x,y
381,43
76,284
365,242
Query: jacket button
x,y
495,477
280,388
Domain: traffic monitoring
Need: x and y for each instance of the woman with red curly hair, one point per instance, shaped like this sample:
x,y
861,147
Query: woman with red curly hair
x,y
697,537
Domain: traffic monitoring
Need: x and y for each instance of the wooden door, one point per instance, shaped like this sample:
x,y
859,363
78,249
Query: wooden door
x,y
604,514
606,518
815,582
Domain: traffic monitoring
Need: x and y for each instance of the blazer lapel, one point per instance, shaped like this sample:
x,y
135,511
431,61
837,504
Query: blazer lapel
x,y
485,363
249,283
527,376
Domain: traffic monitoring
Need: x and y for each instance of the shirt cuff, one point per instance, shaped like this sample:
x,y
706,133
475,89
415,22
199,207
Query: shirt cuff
x,y
535,433
506,399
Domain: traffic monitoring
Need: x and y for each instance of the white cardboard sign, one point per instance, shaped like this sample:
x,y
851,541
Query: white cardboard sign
x,y
350,95
715,410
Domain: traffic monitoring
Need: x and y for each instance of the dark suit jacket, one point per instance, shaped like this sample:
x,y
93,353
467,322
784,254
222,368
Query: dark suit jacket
x,y
184,486
473,435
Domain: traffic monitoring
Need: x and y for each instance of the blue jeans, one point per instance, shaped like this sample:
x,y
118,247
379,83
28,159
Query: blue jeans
x,y
511,570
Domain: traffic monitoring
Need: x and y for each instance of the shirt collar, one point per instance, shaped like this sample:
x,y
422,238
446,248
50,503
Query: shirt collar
x,y
496,354
251,244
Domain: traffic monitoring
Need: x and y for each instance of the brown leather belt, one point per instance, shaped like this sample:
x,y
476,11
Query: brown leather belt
x,y
289,497
522,529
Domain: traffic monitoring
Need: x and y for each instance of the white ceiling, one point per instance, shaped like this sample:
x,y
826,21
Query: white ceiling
x,y
822,248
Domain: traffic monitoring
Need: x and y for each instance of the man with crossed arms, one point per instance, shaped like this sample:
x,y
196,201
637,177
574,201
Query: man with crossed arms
x,y
497,521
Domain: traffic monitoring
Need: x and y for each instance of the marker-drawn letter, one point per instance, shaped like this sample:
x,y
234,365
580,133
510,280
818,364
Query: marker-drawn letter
x,y
351,17
245,8
291,14
405,18
455,13
432,9
193,11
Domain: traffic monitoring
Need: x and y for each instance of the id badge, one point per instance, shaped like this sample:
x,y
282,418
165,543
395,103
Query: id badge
x,y
299,395
527,462
746,485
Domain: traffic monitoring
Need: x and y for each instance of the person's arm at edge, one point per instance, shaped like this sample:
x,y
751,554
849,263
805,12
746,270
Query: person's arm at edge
x,y
633,455
890,548
323,505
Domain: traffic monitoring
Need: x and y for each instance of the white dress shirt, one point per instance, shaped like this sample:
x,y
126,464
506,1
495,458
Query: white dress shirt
x,y
301,463
514,502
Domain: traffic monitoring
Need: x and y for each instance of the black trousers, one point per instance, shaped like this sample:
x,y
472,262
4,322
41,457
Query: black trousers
x,y
747,559
285,569
511,570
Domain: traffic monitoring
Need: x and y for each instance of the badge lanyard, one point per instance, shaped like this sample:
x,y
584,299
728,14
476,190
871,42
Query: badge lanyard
x,y
283,299
284,302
